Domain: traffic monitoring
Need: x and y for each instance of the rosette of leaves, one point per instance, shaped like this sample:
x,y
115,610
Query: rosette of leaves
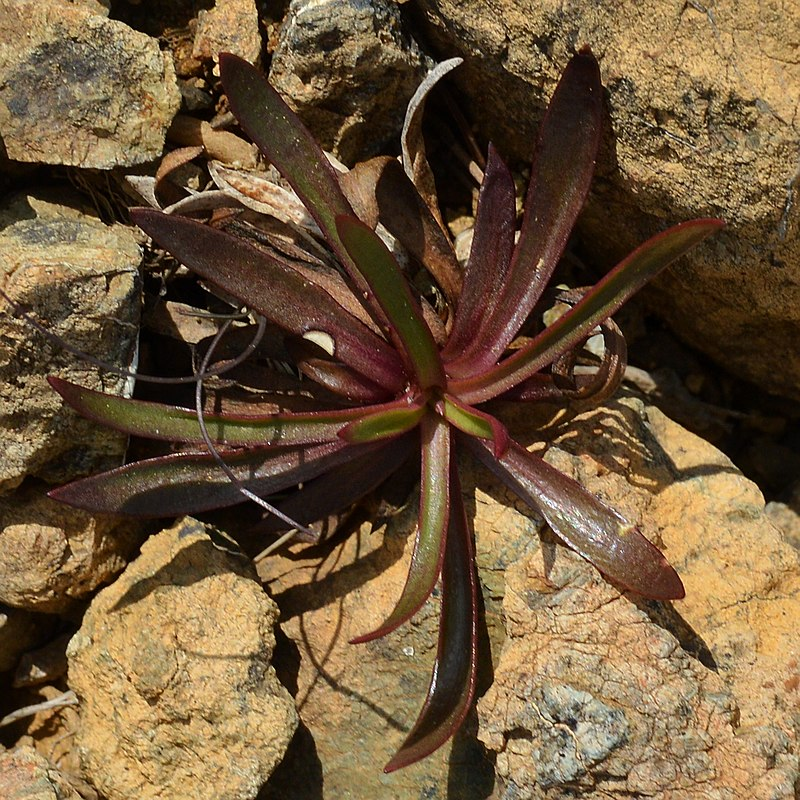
x,y
389,371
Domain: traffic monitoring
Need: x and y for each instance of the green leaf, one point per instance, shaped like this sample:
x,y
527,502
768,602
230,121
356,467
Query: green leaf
x,y
391,420
475,423
452,686
429,547
390,288
171,423
598,304
592,529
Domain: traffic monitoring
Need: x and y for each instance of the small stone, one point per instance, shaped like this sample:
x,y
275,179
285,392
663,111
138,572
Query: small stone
x,y
349,69
172,669
43,665
26,775
230,27
79,278
54,555
78,88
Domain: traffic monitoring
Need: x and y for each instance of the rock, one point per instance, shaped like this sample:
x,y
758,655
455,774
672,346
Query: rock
x,y
230,27
784,517
26,775
595,693
172,669
19,630
79,277
349,69
357,702
702,123
54,555
43,665
603,695
78,88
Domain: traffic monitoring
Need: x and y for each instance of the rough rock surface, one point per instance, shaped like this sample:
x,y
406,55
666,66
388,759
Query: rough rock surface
x,y
172,668
609,696
53,555
703,122
350,70
26,775
594,694
358,702
79,277
78,88
230,27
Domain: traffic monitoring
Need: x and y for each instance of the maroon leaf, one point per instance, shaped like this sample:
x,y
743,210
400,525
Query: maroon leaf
x,y
287,143
273,289
599,303
186,483
490,255
334,491
452,686
589,527
406,215
560,177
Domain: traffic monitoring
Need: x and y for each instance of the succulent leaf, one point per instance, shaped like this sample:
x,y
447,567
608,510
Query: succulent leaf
x,y
407,326
434,506
274,289
597,304
186,483
171,423
452,686
592,529
561,173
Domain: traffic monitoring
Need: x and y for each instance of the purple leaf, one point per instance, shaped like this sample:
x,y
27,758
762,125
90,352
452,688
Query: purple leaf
x,y
452,686
273,289
561,173
426,560
592,529
334,491
599,303
407,217
490,255
186,483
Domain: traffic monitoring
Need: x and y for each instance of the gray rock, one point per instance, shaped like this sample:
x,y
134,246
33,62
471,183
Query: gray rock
x,y
702,102
77,88
349,69
79,277
172,668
